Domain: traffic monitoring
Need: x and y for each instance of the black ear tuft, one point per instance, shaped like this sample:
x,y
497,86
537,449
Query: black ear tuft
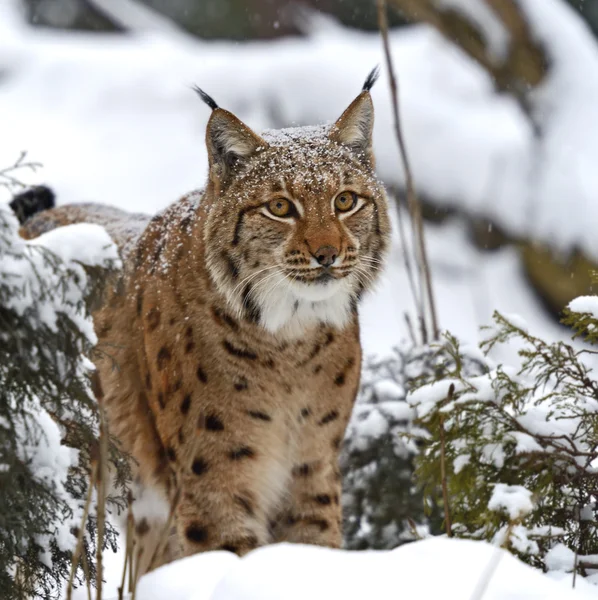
x,y
371,79
205,97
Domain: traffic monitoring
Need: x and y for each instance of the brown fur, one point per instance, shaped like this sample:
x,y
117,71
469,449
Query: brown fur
x,y
237,417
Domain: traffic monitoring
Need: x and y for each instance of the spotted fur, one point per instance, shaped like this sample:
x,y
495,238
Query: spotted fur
x,y
231,351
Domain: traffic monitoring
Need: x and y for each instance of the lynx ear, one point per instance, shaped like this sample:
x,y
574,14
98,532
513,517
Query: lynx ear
x,y
229,141
354,127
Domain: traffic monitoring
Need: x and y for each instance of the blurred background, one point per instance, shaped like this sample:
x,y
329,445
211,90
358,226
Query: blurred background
x,y
499,104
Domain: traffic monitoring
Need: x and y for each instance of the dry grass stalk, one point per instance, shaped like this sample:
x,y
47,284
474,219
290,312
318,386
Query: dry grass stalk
x,y
79,547
415,290
128,551
445,497
101,481
166,531
412,200
87,575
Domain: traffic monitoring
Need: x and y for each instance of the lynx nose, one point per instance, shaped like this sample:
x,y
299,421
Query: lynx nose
x,y
326,255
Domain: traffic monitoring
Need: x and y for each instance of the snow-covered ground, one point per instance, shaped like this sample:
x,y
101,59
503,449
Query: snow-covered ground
x,y
432,568
113,120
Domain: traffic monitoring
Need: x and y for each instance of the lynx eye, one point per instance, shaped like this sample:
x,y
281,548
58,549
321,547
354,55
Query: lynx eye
x,y
345,201
280,207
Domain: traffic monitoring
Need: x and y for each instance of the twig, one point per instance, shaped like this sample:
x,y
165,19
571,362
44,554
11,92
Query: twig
x,y
128,549
492,565
19,164
101,483
445,499
166,531
415,292
87,576
412,200
79,546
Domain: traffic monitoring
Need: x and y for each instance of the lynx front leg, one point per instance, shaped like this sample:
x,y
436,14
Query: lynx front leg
x,y
208,518
314,514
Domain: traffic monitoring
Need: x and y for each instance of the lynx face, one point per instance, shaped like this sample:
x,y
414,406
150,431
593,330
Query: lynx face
x,y
298,227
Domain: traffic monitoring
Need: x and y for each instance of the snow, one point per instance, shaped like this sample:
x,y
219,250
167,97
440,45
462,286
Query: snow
x,y
585,304
515,500
480,13
425,398
49,463
26,262
84,243
188,578
298,572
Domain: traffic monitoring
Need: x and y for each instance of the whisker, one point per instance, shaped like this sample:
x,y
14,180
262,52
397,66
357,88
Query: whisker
x,y
251,276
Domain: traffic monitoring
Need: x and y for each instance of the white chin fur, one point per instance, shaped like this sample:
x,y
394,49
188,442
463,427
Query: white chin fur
x,y
318,291
288,308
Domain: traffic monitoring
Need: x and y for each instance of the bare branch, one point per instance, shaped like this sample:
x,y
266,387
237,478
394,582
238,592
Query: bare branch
x,y
412,200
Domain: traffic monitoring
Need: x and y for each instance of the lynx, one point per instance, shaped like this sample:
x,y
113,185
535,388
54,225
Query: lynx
x,y
232,351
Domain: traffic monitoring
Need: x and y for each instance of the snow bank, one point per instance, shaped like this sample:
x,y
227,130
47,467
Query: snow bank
x,y
433,568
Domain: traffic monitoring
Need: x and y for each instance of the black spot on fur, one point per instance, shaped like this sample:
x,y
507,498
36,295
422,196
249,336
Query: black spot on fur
x,y
305,412
170,452
241,384
196,533
139,302
222,318
314,352
229,548
245,504
142,527
231,264
252,311
257,414
214,423
199,466
323,499
201,374
186,404
329,417
317,369
339,379
163,358
303,470
239,226
322,524
153,319
161,401
189,346
242,452
148,381
239,352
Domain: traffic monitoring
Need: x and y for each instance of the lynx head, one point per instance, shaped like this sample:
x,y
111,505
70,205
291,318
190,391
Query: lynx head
x,y
297,224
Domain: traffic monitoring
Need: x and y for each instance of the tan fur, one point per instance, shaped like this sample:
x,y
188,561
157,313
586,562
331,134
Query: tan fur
x,y
238,416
